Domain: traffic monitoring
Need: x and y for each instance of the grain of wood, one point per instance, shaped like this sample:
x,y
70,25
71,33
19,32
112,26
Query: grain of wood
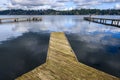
x,y
62,64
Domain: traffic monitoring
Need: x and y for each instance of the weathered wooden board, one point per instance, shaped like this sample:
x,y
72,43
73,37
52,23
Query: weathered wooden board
x,y
62,64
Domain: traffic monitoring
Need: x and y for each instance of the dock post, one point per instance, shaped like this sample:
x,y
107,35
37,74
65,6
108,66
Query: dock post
x,y
112,22
16,20
117,23
0,21
100,20
28,19
91,19
104,21
40,19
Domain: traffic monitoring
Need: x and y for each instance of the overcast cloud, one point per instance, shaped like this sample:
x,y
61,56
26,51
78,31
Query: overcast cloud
x,y
60,4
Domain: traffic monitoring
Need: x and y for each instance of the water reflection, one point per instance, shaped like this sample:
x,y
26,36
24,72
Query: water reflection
x,y
95,44
57,23
98,47
22,54
101,53
70,24
6,32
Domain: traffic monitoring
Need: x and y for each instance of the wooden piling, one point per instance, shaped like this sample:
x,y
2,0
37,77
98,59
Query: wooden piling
x,y
20,19
118,23
114,22
62,64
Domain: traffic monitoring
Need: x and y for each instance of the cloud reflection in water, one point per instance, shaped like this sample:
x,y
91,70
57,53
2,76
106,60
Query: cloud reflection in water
x,y
94,44
22,54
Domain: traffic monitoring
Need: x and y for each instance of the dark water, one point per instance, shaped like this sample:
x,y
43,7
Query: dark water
x,y
23,45
22,54
21,50
102,54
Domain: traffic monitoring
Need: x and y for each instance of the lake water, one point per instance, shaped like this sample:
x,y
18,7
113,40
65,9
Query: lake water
x,y
23,45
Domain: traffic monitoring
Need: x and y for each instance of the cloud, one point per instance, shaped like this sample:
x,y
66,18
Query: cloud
x,y
109,1
17,6
30,4
117,6
57,4
90,3
63,1
86,4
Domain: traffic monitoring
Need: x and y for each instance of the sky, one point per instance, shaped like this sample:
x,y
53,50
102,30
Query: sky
x,y
59,4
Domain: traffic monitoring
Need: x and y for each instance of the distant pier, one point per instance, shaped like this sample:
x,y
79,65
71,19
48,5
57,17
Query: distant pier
x,y
62,64
112,22
8,20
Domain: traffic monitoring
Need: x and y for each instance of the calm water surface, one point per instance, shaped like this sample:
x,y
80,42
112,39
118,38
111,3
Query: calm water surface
x,y
23,45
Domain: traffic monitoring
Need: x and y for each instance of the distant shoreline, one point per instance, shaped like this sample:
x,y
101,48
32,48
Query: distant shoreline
x,y
67,12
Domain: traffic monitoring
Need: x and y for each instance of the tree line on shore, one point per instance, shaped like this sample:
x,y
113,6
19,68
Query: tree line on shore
x,y
63,12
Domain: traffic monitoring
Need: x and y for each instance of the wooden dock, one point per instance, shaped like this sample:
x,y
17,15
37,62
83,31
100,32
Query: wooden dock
x,y
112,22
62,64
6,20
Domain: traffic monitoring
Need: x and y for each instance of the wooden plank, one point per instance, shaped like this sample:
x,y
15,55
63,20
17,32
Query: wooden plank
x,y
102,18
103,21
20,19
62,64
